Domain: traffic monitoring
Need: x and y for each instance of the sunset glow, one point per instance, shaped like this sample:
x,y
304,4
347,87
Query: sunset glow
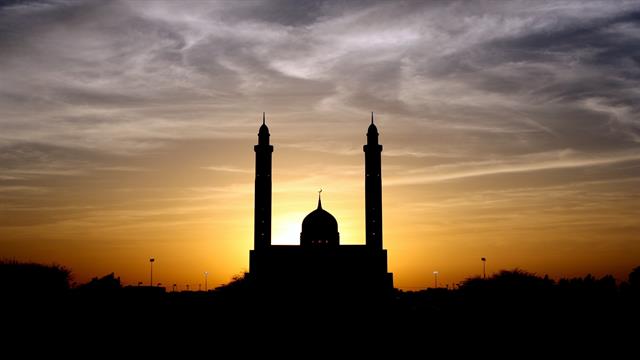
x,y
127,131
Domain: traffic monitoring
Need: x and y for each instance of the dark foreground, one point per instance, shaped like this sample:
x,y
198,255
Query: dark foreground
x,y
512,309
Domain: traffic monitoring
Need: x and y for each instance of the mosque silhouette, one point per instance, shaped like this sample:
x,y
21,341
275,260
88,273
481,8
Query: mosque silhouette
x,y
320,264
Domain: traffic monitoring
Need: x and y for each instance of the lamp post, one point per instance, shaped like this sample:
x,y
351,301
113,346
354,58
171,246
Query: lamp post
x,y
484,268
205,280
435,273
151,260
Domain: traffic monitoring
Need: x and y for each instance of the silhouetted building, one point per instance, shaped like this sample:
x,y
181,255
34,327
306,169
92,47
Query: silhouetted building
x,y
320,265
262,215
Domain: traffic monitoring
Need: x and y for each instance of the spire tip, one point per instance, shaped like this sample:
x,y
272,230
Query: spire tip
x,y
263,121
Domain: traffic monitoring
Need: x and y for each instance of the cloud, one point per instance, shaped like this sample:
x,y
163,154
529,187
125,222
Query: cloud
x,y
121,76
121,168
566,159
464,90
230,169
19,189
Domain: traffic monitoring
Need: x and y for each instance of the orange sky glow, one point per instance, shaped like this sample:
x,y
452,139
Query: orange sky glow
x,y
127,132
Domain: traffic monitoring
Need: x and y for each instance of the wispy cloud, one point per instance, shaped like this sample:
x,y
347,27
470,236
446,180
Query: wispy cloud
x,y
121,168
121,77
564,159
230,169
22,189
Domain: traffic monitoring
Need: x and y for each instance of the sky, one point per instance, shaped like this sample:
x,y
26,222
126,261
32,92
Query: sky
x,y
511,131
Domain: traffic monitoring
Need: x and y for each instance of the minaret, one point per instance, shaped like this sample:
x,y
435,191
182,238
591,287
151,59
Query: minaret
x,y
262,206
373,188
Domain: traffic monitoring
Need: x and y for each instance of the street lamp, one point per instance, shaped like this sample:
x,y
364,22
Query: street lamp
x,y
151,260
436,275
205,280
484,268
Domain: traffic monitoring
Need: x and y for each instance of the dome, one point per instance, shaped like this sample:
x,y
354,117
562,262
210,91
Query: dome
x,y
319,228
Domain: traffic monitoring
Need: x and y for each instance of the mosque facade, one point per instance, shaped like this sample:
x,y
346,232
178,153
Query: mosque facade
x,y
320,262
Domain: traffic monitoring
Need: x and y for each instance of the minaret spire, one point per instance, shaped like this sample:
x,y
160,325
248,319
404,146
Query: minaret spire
x,y
373,188
319,199
262,210
263,120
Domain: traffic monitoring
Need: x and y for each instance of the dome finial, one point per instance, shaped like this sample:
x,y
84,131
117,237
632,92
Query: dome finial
x,y
319,199
372,118
263,121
